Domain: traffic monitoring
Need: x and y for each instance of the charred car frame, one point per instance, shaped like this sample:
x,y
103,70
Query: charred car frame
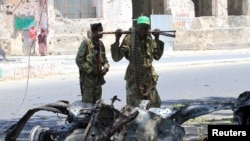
x,y
103,122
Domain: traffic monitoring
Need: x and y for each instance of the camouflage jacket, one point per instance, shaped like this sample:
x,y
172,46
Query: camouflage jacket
x,y
147,51
89,64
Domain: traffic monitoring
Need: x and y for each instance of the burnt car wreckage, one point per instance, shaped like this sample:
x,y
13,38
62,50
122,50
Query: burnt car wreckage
x,y
103,122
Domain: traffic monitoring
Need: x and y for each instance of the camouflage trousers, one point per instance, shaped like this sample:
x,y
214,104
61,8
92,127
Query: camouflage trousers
x,y
91,94
134,98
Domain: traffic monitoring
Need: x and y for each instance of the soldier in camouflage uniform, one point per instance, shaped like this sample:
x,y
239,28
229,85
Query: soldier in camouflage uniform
x,y
141,78
93,65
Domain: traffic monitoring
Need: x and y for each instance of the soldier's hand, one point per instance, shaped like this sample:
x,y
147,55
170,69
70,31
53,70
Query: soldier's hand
x,y
104,71
118,34
156,33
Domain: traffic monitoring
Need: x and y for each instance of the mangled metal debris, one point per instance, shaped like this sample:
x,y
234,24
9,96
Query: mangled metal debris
x,y
103,122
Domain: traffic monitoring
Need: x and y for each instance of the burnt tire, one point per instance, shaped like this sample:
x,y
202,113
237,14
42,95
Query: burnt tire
x,y
39,133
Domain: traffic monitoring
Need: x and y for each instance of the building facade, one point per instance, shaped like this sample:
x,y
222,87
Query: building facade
x,y
199,25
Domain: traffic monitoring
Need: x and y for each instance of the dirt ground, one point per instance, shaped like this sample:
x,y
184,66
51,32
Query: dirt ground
x,y
196,129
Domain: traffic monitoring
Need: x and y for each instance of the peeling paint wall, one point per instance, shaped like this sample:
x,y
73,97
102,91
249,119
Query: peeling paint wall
x,y
13,39
65,35
5,43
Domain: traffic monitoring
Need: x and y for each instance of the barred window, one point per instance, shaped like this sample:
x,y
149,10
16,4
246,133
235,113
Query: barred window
x,y
75,9
235,7
202,7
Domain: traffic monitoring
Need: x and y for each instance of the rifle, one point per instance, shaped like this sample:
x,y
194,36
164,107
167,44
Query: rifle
x,y
171,34
81,87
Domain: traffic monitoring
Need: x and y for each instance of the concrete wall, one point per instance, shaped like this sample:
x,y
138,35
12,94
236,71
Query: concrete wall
x,y
220,31
67,34
217,31
207,33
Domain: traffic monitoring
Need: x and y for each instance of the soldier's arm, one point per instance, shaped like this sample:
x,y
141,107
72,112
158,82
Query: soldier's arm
x,y
118,52
104,56
81,59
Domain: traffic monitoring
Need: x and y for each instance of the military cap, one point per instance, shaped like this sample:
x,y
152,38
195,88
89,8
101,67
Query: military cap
x,y
95,26
143,20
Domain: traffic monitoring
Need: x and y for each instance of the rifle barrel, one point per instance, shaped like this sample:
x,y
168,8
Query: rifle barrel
x,y
114,32
164,31
169,35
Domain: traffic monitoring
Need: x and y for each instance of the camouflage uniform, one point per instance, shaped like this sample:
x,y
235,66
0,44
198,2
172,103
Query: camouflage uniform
x,y
148,50
90,65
